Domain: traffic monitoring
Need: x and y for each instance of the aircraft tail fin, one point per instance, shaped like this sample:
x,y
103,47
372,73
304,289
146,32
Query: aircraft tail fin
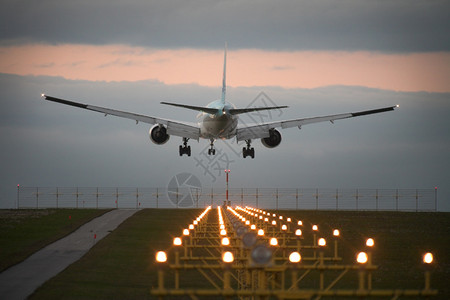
x,y
224,78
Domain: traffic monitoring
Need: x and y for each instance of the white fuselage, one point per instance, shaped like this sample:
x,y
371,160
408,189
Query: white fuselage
x,y
221,125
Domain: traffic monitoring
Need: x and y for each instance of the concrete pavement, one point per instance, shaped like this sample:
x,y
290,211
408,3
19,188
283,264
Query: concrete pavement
x,y
21,280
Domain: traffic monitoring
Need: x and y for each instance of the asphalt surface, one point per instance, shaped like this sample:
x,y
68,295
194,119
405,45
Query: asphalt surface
x,y
21,280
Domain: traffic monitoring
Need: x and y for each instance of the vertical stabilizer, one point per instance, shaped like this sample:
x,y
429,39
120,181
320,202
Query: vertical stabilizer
x,y
224,78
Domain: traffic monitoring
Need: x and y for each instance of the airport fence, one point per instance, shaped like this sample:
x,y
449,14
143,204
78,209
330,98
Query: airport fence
x,y
193,197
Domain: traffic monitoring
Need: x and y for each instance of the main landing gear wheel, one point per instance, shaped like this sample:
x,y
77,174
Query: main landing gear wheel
x,y
249,151
185,149
212,151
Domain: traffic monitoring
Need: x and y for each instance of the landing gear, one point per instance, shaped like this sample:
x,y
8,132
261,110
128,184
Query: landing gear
x,y
212,151
248,151
185,149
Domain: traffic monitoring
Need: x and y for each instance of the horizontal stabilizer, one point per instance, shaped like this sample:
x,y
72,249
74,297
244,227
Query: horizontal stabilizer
x,y
236,111
198,108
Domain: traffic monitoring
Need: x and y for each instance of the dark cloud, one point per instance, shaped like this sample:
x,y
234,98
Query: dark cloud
x,y
393,26
48,144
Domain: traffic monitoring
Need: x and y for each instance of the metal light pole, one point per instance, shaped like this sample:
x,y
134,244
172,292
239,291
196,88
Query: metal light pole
x,y
227,172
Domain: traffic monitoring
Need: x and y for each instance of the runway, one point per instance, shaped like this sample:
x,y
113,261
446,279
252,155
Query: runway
x,y
21,280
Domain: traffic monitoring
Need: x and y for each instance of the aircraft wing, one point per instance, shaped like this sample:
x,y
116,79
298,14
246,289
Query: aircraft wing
x,y
176,128
263,130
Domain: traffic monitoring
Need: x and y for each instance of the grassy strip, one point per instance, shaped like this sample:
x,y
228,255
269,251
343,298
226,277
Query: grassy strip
x,y
23,232
121,265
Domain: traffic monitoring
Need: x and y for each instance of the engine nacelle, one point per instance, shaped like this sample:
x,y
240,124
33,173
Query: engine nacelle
x,y
273,140
158,134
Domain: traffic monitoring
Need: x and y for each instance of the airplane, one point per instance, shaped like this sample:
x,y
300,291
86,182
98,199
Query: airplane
x,y
217,120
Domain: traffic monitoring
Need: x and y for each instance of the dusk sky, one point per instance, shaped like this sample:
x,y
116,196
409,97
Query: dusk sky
x,y
318,57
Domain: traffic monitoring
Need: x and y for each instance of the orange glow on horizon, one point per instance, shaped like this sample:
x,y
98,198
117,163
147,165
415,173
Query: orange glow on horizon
x,y
296,69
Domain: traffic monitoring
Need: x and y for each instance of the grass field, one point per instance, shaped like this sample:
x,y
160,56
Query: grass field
x,y
121,265
23,232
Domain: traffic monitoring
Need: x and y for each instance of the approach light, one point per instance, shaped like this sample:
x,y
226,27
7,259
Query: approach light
x,y
227,257
191,227
261,232
225,241
253,227
284,227
186,232
223,232
161,257
247,222
298,232
428,258
295,257
274,222
336,232
281,217
288,219
222,227
322,242
362,258
177,241
195,222
300,223
370,242
273,242
315,228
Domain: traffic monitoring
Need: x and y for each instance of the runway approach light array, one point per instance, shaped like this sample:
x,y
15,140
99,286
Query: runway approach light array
x,y
243,242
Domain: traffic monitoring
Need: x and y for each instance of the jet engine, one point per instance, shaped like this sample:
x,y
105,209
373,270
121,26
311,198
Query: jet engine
x,y
273,140
158,134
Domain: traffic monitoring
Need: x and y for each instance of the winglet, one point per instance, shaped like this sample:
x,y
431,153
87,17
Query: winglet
x,y
224,78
